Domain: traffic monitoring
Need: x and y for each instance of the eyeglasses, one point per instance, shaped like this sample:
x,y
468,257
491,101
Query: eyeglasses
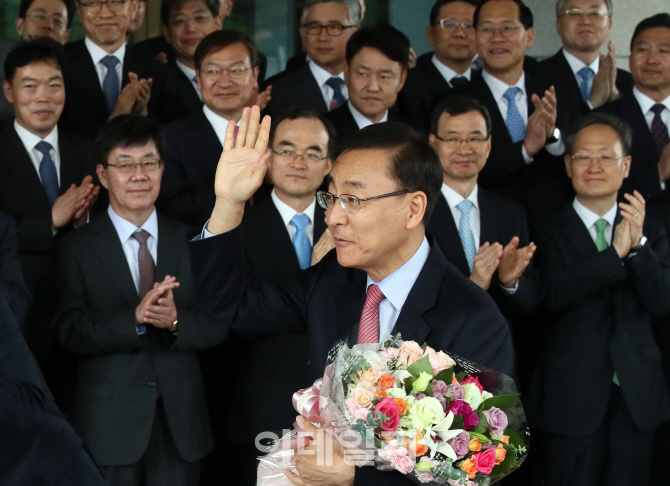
x,y
507,31
592,13
235,72
450,24
128,166
349,203
41,17
474,142
94,6
584,160
198,18
386,77
292,154
315,28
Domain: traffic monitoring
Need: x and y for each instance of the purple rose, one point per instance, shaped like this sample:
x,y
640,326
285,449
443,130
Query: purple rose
x,y
470,419
455,391
419,396
460,444
439,387
443,402
497,420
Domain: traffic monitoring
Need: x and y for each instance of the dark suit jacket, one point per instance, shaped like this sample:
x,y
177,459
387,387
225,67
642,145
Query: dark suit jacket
x,y
297,88
12,286
570,104
6,110
344,122
85,109
120,374
22,197
178,98
601,310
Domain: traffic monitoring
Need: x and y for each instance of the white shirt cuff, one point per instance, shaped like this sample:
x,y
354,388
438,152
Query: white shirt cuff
x,y
557,148
526,157
662,185
206,234
510,291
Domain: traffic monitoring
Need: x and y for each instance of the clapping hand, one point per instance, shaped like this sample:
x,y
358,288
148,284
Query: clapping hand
x,y
157,307
324,245
514,261
485,264
74,204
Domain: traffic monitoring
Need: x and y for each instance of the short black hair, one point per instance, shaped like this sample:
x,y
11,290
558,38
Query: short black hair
x,y
297,112
167,5
414,164
458,105
221,39
525,15
39,50
385,38
437,6
127,131
600,118
69,6
658,20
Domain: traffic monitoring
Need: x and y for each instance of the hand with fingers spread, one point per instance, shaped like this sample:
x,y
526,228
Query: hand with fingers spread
x,y
74,203
485,264
513,262
324,245
634,213
241,169
148,312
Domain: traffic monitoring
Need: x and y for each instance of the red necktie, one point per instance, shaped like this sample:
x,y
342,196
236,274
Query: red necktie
x,y
368,330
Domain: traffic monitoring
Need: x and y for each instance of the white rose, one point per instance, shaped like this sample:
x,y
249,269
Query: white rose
x,y
473,396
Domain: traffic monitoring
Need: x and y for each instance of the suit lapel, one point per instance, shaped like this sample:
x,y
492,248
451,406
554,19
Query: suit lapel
x,y
444,230
319,222
489,219
577,233
205,141
88,80
482,91
170,243
21,164
270,222
311,90
70,164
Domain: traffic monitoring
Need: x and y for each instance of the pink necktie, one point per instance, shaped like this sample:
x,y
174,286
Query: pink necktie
x,y
368,330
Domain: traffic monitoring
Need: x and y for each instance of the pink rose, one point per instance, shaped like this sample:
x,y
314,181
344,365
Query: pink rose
x,y
484,461
389,408
402,462
470,379
389,353
438,360
410,352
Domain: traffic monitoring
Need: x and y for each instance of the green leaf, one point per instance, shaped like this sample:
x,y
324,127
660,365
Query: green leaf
x,y
458,422
408,385
482,426
461,375
372,420
422,365
502,402
480,437
514,438
446,375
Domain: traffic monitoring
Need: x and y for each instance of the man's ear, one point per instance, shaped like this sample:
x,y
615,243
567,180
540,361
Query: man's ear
x,y
568,165
19,26
417,208
7,88
101,173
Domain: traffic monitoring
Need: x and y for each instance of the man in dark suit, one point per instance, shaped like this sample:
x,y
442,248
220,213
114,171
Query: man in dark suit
x,y
127,313
375,72
588,79
452,35
104,76
225,63
605,272
377,223
325,28
45,178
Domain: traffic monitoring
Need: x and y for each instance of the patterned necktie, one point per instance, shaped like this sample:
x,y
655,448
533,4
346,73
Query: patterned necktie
x,y
465,232
110,85
515,125
338,98
586,75
368,330
48,172
659,130
146,263
457,81
301,243
601,241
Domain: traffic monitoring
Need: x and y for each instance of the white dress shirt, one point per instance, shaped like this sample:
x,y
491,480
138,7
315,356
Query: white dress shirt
x,y
576,65
447,73
321,76
190,74
29,140
453,199
97,53
287,213
219,123
361,120
646,104
396,288
589,219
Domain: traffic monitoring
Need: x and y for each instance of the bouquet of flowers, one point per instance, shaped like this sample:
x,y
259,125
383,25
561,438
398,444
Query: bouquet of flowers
x,y
431,415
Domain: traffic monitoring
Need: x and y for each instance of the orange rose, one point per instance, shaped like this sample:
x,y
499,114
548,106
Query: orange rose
x,y
421,449
379,393
386,381
415,449
469,467
474,445
500,454
402,405
504,438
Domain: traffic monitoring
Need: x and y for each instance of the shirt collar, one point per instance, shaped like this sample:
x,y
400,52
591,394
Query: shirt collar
x,y
97,52
646,102
321,75
361,120
454,199
219,123
577,64
125,228
447,73
190,73
498,87
589,218
396,287
287,212
29,139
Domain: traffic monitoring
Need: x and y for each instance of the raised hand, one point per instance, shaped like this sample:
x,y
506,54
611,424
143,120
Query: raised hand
x,y
73,203
634,213
536,131
611,55
485,264
324,245
514,261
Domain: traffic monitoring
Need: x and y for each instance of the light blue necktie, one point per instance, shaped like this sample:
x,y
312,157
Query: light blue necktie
x,y
301,243
586,75
465,232
338,98
48,172
515,125
110,85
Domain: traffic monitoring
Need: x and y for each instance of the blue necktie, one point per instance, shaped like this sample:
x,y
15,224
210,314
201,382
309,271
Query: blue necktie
x,y
465,232
110,85
48,172
301,243
515,125
338,98
586,75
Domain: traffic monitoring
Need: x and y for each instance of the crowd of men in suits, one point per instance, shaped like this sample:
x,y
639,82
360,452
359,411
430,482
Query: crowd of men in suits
x,y
511,211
